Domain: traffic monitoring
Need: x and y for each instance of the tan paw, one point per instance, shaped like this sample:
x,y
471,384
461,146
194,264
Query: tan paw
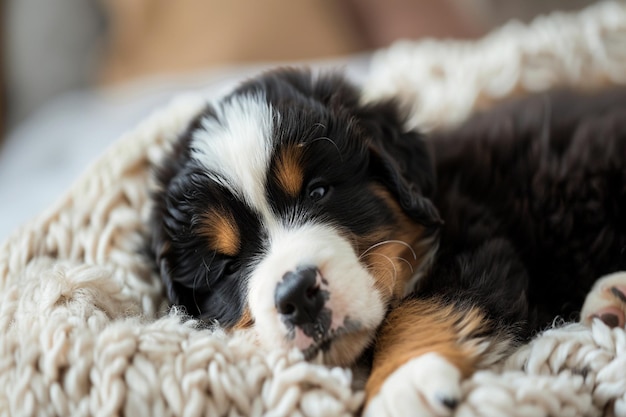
x,y
606,301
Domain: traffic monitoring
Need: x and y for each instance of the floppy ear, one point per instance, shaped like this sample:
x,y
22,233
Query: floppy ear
x,y
165,216
401,161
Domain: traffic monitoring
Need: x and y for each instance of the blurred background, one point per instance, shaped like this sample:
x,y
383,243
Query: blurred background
x,y
76,74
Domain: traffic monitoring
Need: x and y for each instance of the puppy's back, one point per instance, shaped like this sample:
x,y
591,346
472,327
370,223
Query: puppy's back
x,y
546,174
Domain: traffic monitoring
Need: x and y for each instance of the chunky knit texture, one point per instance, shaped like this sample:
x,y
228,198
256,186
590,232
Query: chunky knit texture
x,y
84,330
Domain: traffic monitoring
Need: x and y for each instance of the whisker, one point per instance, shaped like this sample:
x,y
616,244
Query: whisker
x,y
380,267
400,258
393,265
385,242
375,265
207,269
332,142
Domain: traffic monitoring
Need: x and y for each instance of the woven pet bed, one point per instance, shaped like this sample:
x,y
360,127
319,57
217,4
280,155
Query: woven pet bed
x,y
84,329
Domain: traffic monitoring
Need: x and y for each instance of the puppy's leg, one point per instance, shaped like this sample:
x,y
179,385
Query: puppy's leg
x,y
425,348
607,301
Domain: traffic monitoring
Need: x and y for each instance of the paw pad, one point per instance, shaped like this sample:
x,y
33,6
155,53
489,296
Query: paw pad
x,y
607,301
611,316
449,402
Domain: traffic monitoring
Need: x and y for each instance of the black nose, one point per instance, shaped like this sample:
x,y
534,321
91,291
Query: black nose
x,y
298,298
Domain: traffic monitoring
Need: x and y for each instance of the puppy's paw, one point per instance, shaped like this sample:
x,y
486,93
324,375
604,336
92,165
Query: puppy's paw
x,y
607,301
428,385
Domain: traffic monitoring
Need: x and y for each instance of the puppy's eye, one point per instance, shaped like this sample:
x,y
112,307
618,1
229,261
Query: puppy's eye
x,y
318,192
231,267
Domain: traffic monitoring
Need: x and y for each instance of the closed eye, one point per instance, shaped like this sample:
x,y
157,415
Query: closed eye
x,y
231,267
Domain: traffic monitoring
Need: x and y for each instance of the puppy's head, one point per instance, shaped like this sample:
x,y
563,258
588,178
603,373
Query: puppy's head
x,y
292,209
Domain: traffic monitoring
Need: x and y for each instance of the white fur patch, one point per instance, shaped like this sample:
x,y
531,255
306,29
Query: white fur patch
x,y
420,387
236,147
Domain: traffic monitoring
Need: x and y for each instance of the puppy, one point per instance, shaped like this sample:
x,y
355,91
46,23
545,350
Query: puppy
x,y
295,210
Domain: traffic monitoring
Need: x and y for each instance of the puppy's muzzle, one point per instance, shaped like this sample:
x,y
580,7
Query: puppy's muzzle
x,y
300,300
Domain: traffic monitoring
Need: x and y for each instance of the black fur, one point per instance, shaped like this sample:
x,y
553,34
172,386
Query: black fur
x,y
533,194
194,276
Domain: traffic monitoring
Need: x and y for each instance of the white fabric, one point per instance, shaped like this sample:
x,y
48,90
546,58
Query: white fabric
x,y
84,329
442,82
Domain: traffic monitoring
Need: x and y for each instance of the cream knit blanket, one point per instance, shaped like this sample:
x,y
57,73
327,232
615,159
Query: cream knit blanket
x,y
84,329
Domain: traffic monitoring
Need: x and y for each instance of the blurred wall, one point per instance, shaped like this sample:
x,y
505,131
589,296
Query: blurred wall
x,y
51,46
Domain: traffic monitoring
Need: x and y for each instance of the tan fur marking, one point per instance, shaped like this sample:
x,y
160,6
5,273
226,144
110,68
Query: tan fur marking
x,y
394,263
222,232
245,322
288,171
420,326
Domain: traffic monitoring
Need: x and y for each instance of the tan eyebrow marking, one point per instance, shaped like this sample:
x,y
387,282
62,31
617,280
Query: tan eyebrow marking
x,y
288,170
222,231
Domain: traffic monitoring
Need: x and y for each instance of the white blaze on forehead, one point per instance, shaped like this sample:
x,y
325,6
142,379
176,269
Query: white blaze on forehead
x,y
236,146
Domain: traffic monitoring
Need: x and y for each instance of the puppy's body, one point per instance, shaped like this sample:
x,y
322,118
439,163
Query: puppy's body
x,y
534,197
292,209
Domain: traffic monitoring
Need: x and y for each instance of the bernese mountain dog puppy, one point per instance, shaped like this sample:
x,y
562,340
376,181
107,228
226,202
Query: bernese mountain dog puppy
x,y
294,209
